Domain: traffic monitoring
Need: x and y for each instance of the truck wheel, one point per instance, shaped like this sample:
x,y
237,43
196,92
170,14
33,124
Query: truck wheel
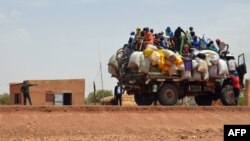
x,y
227,96
168,95
143,99
203,100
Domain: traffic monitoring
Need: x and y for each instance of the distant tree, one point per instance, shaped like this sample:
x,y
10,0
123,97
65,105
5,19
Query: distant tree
x,y
4,99
99,95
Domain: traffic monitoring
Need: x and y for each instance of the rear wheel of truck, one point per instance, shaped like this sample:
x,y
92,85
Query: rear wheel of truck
x,y
168,95
227,96
203,100
143,99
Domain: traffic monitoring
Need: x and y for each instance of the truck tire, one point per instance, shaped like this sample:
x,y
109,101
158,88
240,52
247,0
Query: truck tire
x,y
143,99
168,95
227,96
203,100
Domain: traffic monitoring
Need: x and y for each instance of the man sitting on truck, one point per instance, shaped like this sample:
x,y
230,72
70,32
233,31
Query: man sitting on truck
x,y
211,46
148,37
223,48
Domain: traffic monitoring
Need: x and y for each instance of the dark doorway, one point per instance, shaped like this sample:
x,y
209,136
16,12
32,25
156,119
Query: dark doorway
x,y
67,99
17,98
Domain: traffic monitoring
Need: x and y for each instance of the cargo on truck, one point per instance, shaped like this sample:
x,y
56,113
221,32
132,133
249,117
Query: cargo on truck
x,y
151,73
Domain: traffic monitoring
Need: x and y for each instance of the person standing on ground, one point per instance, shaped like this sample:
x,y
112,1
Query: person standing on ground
x,y
236,85
118,93
25,90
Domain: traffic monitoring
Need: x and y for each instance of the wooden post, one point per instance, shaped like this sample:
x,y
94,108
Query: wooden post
x,y
247,86
94,93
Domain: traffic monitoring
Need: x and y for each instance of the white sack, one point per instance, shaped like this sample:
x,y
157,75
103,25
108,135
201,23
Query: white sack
x,y
196,76
194,64
144,64
185,75
134,60
222,66
172,70
155,58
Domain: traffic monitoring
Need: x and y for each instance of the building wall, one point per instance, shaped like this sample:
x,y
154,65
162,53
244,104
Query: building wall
x,y
43,87
15,89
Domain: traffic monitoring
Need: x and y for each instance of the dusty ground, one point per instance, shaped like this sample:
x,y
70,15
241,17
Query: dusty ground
x,y
118,123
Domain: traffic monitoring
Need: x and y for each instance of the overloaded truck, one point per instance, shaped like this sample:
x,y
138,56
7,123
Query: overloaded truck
x,y
154,74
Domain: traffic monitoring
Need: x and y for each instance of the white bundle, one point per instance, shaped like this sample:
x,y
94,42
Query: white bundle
x,y
113,61
181,67
223,69
167,62
205,75
194,64
209,53
113,71
232,65
118,56
202,67
208,62
152,47
196,76
214,59
185,75
172,70
168,53
113,66
213,72
154,58
212,56
144,64
134,60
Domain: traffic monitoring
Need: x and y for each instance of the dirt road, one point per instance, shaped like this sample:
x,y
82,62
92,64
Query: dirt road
x,y
118,123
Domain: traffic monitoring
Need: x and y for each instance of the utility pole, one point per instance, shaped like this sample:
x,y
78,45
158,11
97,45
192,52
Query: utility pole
x,y
101,74
100,66
94,93
101,69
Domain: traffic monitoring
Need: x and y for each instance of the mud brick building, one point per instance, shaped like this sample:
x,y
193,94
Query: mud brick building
x,y
51,92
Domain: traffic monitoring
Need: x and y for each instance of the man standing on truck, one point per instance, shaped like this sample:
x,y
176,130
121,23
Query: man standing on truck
x,y
118,93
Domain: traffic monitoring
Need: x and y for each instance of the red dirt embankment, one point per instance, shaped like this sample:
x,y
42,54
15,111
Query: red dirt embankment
x,y
118,123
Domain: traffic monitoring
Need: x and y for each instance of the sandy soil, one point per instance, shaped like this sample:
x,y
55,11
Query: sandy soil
x,y
40,123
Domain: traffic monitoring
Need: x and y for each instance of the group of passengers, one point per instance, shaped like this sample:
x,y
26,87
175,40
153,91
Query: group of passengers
x,y
183,42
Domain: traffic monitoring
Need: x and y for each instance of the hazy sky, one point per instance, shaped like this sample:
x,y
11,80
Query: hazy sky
x,y
61,39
